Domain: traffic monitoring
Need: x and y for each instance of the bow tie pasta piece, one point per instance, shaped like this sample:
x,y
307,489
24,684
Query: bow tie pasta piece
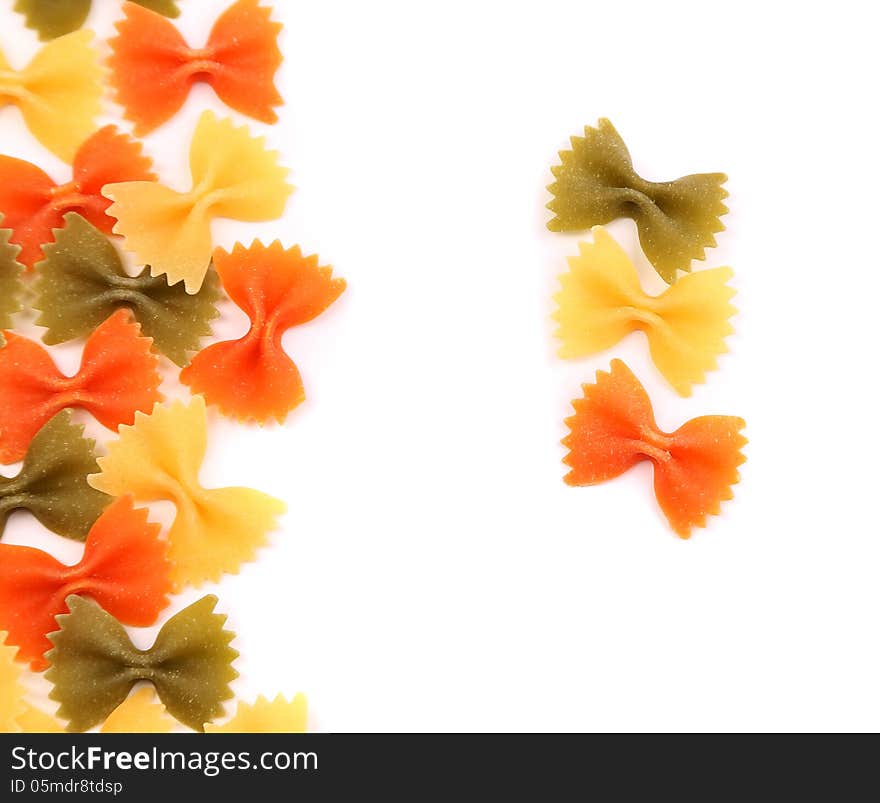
x,y
234,176
94,665
158,458
252,378
613,428
278,716
58,93
118,376
601,302
10,281
33,205
53,18
124,568
52,484
153,68
596,183
139,713
82,281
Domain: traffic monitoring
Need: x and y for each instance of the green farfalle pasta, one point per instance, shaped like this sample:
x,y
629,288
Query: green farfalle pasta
x,y
94,665
10,281
81,282
54,18
596,183
52,483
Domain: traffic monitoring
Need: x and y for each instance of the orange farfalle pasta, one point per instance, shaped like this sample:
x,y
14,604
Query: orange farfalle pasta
x,y
58,93
32,204
252,378
233,176
153,68
124,568
117,377
613,428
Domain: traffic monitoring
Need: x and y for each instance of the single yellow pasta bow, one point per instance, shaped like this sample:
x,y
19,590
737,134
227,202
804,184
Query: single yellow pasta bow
x,y
234,176
601,302
58,93
158,458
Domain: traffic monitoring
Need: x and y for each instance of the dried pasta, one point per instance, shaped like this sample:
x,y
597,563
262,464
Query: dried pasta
x,y
613,428
233,175
94,665
252,377
601,301
596,183
82,281
153,68
158,458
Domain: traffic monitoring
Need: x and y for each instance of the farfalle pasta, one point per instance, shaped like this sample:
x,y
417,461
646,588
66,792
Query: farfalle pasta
x,y
52,483
94,665
118,376
252,377
263,716
58,93
596,183
33,204
158,458
234,176
58,17
82,281
124,568
602,301
153,68
10,281
613,428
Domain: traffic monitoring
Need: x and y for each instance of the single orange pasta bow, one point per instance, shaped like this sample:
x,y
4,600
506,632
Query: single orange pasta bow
x,y
153,68
253,378
613,428
124,568
117,377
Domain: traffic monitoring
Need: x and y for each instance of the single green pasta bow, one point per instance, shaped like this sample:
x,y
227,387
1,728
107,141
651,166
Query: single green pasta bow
x,y
52,483
94,665
82,282
596,183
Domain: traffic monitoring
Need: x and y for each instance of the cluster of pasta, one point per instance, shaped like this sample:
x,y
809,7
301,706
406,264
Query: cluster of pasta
x,y
601,301
59,255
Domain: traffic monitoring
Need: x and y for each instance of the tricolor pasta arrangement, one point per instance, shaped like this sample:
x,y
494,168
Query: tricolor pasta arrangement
x,y
63,251
601,300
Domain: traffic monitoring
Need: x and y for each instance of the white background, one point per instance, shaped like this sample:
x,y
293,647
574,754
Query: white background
x,y
434,572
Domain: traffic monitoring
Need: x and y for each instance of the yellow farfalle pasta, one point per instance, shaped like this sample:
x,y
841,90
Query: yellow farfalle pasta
x,y
140,713
278,716
234,176
158,458
58,93
602,301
